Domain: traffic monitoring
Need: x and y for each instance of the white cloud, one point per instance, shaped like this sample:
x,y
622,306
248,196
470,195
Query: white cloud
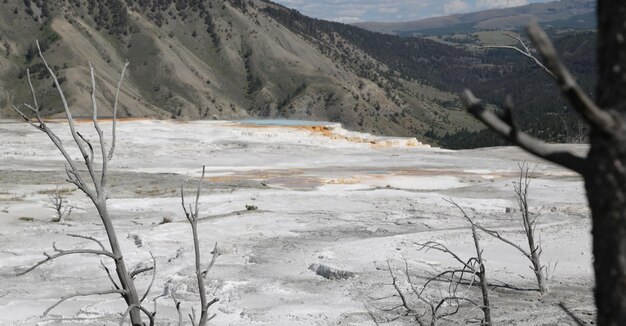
x,y
488,4
455,6
388,10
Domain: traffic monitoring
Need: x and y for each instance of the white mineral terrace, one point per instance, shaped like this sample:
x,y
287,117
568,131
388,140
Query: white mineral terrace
x,y
325,195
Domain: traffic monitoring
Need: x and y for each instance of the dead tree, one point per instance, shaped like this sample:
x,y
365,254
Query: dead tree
x,y
425,310
94,185
604,166
191,213
478,268
529,223
417,305
60,205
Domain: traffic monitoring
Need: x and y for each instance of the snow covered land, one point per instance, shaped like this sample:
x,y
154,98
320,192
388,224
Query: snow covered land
x,y
324,196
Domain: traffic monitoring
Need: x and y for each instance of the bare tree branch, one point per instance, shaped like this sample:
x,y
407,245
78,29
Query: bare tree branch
x,y
32,92
154,265
61,253
596,117
115,105
432,310
472,273
525,51
96,192
106,269
130,307
148,314
394,283
529,223
26,118
77,179
215,253
534,251
192,216
83,294
70,120
88,238
493,233
96,125
482,275
91,154
434,245
192,316
140,270
180,313
519,138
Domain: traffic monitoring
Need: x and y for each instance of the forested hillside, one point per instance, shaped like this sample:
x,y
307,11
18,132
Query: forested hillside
x,y
492,74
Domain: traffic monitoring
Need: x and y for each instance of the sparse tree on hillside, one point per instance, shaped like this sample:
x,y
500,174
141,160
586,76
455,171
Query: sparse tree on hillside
x,y
604,166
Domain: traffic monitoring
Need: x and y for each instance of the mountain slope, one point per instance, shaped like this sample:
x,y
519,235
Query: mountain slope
x,y
205,59
577,14
492,74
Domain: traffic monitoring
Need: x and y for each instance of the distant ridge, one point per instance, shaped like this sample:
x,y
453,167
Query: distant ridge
x,y
574,14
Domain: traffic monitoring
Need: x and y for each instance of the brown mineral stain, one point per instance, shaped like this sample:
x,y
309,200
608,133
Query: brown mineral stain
x,y
329,131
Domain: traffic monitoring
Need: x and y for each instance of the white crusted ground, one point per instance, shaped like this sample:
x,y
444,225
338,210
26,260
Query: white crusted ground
x,y
327,199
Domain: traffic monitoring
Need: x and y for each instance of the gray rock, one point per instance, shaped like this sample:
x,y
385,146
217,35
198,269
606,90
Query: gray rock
x,y
138,241
331,273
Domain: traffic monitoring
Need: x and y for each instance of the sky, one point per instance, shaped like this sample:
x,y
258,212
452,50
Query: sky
x,y
352,11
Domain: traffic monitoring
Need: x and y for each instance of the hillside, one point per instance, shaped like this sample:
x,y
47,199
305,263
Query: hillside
x,y
239,59
451,67
207,59
574,14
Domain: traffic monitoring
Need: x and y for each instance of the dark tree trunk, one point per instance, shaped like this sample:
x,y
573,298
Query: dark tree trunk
x,y
482,276
604,168
606,190
605,179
